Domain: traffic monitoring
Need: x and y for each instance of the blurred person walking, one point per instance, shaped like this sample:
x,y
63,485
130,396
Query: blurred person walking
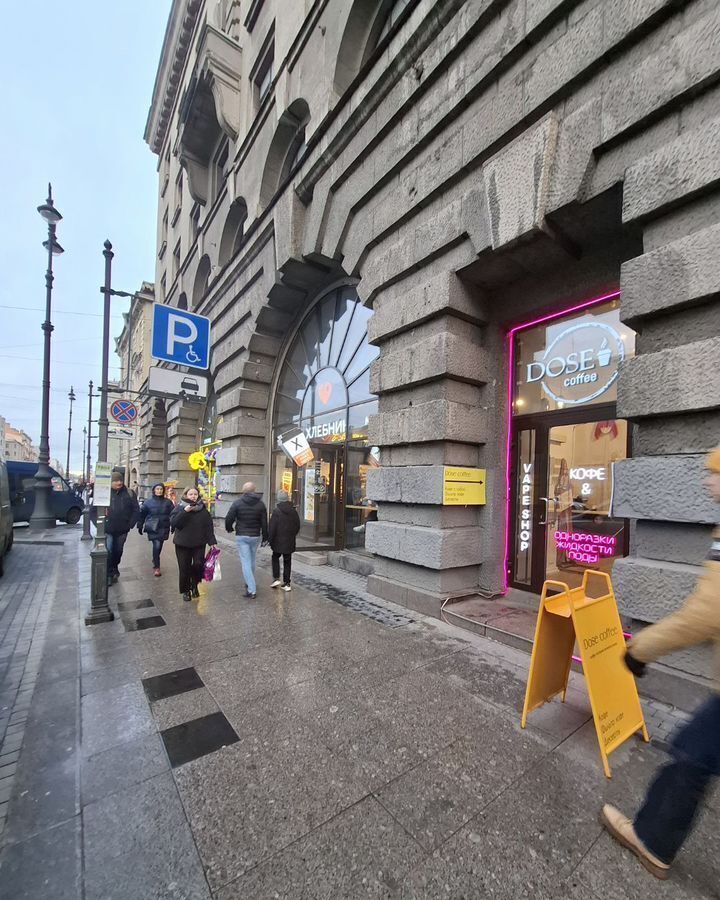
x,y
193,529
122,516
666,817
248,516
155,522
283,529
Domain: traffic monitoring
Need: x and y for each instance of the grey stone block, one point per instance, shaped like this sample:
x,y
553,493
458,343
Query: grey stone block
x,y
443,293
409,484
438,419
649,589
687,433
666,488
671,541
245,423
671,277
434,548
578,136
517,181
439,581
680,379
429,516
686,326
682,168
432,358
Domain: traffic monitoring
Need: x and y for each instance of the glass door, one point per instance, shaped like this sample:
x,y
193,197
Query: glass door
x,y
562,493
318,497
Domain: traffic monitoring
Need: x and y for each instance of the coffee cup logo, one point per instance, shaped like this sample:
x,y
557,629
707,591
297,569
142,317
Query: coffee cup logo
x,y
580,364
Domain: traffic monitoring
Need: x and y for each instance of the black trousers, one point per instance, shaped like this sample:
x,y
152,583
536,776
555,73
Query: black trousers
x,y
287,563
191,562
115,544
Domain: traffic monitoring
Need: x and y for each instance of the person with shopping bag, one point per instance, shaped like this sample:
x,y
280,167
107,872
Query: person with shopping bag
x,y
668,812
283,529
193,529
155,522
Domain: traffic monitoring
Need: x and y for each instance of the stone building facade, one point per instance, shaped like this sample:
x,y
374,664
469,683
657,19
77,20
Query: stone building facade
x,y
519,202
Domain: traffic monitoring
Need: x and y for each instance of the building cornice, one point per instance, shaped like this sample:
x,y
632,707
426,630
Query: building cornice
x,y
181,25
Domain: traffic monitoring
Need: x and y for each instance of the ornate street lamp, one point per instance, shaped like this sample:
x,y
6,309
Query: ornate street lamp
x,y
42,516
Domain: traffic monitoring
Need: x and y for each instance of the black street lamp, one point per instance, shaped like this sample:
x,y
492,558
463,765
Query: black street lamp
x,y
42,516
71,398
86,536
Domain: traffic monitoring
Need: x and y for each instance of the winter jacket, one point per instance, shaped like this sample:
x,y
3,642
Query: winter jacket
x,y
284,526
155,518
123,512
194,528
249,516
696,622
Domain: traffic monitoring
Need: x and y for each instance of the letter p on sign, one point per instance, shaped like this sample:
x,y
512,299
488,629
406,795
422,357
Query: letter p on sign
x,y
180,337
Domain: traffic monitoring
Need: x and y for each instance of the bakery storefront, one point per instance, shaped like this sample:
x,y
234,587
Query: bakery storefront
x,y
321,411
565,437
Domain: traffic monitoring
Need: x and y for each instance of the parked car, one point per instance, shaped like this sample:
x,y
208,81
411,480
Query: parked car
x,y
66,504
6,517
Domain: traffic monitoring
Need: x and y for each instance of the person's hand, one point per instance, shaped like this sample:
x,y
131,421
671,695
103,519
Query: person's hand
x,y
189,508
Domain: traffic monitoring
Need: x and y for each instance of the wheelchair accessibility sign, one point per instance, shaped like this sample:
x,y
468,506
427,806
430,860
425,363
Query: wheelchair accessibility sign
x,y
180,337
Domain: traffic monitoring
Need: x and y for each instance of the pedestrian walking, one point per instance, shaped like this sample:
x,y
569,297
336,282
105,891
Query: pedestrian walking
x,y
155,522
283,529
193,530
122,516
666,817
248,516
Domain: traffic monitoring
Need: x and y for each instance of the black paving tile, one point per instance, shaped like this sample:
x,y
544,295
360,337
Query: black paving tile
x,y
160,687
143,624
198,738
125,605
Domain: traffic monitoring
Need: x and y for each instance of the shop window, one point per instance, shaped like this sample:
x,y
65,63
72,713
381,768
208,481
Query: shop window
x,y
264,70
321,413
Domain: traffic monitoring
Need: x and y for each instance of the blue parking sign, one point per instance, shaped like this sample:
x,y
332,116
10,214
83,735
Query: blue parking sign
x,y
180,337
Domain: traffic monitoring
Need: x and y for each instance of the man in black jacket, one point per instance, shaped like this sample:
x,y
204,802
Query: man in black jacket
x,y
122,515
284,527
248,516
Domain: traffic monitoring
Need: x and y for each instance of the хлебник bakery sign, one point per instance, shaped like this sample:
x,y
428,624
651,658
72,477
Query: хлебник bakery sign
x,y
580,364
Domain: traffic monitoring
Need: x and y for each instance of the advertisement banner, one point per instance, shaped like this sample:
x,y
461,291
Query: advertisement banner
x,y
101,492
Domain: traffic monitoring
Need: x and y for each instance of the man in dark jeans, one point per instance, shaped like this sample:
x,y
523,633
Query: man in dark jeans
x,y
122,515
666,817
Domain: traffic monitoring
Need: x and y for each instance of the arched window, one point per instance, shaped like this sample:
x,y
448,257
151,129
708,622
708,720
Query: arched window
x,y
233,231
286,149
202,279
323,392
368,23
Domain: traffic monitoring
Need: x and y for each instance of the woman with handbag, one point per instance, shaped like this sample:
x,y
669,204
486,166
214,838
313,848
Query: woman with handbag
x,y
193,528
155,522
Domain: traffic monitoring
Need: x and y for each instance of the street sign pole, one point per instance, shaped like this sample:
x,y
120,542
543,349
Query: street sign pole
x,y
99,608
86,536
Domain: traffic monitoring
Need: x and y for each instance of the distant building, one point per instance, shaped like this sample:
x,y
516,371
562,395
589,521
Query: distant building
x,y
18,445
133,347
3,451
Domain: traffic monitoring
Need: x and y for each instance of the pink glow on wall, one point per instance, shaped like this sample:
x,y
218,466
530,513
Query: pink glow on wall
x,y
511,378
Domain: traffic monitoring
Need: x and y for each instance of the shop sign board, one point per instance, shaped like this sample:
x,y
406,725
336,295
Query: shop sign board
x,y
171,383
463,487
580,363
298,449
594,622
102,489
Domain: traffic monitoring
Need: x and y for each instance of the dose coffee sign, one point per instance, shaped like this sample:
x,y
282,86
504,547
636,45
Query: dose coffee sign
x,y
580,364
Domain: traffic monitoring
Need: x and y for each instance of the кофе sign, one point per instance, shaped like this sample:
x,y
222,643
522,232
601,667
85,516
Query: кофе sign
x,y
580,363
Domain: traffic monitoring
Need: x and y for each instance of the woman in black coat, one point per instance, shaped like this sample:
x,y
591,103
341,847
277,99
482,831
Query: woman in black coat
x,y
193,527
155,522
284,526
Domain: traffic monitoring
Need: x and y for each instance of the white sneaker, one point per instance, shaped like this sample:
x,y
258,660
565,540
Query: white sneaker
x,y
286,587
276,583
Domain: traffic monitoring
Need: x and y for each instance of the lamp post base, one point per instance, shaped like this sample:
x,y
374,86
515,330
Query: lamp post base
x,y
99,608
99,615
86,536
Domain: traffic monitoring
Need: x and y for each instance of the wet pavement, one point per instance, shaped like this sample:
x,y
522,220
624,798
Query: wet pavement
x,y
315,744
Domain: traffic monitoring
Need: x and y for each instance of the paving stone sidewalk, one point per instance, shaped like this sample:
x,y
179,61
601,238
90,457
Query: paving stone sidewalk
x,y
316,744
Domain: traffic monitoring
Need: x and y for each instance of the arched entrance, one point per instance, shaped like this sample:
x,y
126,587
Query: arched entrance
x,y
322,404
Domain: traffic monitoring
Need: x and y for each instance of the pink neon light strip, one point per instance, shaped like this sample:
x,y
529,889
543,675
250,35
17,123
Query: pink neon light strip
x,y
511,378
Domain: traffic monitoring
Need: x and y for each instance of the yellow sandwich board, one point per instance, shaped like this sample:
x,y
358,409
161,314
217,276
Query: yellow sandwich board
x,y
595,623
463,487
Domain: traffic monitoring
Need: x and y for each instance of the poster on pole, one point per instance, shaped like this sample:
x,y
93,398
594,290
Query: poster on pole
x,y
103,476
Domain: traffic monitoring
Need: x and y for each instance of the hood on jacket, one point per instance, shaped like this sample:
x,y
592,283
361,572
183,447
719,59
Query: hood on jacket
x,y
285,506
157,485
251,498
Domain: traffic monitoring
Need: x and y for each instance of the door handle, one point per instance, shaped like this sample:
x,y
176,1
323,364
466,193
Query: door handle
x,y
547,501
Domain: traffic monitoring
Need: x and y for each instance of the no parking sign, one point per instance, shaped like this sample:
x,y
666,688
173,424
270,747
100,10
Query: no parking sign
x,y
124,411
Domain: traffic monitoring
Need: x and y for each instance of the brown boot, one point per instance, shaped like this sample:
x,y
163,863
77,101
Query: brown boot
x,y
623,830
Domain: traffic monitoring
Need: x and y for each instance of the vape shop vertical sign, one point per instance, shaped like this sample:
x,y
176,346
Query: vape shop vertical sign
x,y
525,523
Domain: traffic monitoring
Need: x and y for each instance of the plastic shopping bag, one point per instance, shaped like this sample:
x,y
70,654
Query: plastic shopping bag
x,y
212,565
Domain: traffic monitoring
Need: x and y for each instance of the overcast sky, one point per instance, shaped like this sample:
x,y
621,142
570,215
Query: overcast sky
x,y
77,79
